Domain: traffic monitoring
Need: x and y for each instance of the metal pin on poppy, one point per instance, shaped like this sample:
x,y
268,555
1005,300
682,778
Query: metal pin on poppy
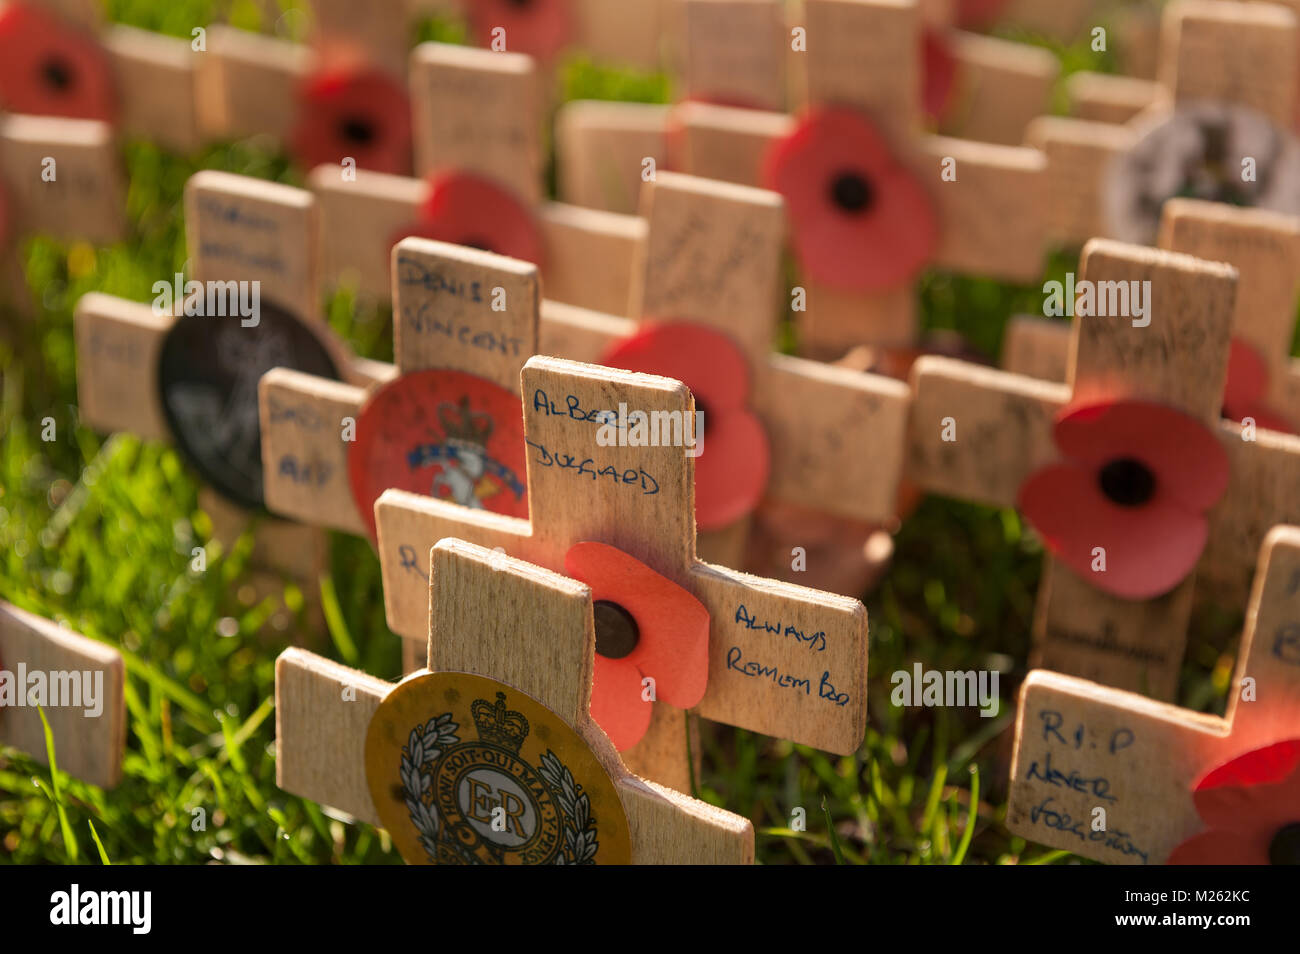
x,y
209,367
50,68
444,434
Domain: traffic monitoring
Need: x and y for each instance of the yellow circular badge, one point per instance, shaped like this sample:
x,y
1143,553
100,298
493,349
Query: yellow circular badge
x,y
465,770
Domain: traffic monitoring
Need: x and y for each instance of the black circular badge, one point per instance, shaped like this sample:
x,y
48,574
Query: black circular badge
x,y
208,371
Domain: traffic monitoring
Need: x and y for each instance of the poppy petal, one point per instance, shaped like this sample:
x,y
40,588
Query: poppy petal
x,y
1257,791
732,469
939,69
860,220
1186,458
465,209
616,702
48,68
445,434
364,115
1247,374
1220,848
706,360
1149,549
540,28
673,626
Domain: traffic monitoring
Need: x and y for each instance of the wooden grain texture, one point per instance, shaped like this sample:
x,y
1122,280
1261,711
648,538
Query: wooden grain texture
x,y
63,178
867,55
247,84
1242,53
712,257
992,220
591,256
1036,347
89,731
1077,153
155,76
1178,359
733,51
1107,98
790,698
628,33
1000,87
358,218
601,148
462,309
1264,247
726,143
477,110
242,229
510,621
304,456
1139,759
118,343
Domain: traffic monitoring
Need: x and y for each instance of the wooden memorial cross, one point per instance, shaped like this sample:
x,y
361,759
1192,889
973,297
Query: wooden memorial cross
x,y
1264,247
1214,58
497,729
471,317
78,683
151,370
140,82
980,199
1175,787
989,436
712,264
782,659
477,129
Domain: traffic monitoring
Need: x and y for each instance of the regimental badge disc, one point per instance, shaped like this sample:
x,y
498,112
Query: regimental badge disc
x,y
444,434
1218,152
466,770
208,371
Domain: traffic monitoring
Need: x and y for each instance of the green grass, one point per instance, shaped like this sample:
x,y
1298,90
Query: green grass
x,y
99,531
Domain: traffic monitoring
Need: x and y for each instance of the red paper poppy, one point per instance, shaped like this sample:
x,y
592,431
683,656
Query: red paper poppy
x,y
860,220
732,467
977,14
445,434
939,77
646,627
1251,806
363,114
1136,481
1247,386
540,28
465,209
48,68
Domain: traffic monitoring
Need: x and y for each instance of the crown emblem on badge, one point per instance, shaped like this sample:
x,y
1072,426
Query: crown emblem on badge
x,y
498,725
459,423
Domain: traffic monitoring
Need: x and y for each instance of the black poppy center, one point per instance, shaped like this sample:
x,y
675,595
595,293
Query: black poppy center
x,y
1284,849
1127,482
851,192
358,130
616,630
478,242
56,73
520,4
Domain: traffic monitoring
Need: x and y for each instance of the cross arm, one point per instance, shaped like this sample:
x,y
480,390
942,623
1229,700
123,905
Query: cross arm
x,y
118,343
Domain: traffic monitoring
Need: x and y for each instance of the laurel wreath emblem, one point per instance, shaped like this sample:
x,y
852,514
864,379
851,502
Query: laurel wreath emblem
x,y
425,746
